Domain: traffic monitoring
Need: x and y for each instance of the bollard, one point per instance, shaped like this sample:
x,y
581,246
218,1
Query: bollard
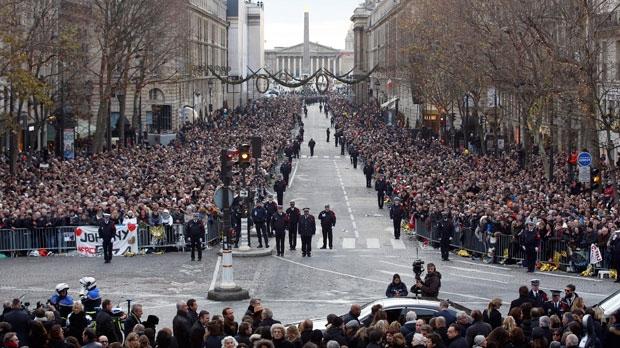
x,y
227,270
245,238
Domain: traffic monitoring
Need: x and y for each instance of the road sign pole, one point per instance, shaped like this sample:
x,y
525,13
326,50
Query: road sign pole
x,y
245,241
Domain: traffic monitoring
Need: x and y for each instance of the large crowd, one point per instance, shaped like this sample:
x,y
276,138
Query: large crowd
x,y
144,182
488,192
534,320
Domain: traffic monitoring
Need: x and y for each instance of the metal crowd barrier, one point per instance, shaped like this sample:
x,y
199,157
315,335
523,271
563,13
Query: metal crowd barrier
x,y
505,247
62,239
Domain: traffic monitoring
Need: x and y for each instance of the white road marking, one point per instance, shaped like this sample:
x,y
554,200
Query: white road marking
x,y
354,225
290,183
348,243
479,271
350,211
483,265
352,218
373,243
319,242
337,157
333,272
215,273
357,234
304,156
571,277
325,156
479,278
397,244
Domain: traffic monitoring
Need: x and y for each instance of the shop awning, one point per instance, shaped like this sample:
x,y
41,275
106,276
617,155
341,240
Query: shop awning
x,y
388,104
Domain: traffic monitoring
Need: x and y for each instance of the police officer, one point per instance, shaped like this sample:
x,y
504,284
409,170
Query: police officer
x,y
271,207
279,223
259,217
369,170
285,169
328,221
296,148
380,187
279,187
445,229
328,131
107,231
293,218
311,145
307,229
90,295
539,297
554,306
529,243
342,144
61,300
396,214
354,153
195,231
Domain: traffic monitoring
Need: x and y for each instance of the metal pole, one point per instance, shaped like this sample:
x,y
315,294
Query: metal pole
x,y
227,261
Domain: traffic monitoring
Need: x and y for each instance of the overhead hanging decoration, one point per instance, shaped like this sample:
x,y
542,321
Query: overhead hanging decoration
x,y
351,81
231,82
294,84
262,80
322,83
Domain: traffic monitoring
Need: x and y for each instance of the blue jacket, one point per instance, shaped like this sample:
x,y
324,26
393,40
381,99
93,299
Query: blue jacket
x,y
64,304
394,289
259,214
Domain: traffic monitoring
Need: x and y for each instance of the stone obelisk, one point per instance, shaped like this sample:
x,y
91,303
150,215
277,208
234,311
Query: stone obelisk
x,y
306,58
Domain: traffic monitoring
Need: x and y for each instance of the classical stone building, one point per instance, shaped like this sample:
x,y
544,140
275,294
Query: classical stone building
x,y
291,59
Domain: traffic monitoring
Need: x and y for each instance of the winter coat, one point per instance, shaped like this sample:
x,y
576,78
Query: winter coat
x,y
181,327
431,284
336,334
106,327
307,226
394,290
477,328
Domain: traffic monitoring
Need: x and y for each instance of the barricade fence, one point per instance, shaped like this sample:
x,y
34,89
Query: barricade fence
x,y
498,247
62,239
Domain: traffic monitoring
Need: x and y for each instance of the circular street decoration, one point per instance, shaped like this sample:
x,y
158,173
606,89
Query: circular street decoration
x,y
262,83
321,83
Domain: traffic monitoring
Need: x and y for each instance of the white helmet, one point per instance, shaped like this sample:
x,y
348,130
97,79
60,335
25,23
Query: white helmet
x,y
62,286
88,283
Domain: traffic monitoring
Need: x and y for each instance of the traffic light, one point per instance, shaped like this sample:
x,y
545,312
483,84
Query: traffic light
x,y
596,178
244,155
228,159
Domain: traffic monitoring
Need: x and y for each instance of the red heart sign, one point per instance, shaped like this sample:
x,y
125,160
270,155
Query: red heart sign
x,y
131,227
78,231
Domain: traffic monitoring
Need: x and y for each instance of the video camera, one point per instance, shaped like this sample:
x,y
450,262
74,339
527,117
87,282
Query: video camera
x,y
418,268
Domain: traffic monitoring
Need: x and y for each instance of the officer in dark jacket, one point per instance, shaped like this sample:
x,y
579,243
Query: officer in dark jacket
x,y
369,170
311,145
307,229
279,187
380,187
107,231
354,154
396,214
285,169
279,223
293,219
328,131
195,232
536,294
271,207
328,221
445,229
529,244
342,144
554,306
181,325
105,324
259,217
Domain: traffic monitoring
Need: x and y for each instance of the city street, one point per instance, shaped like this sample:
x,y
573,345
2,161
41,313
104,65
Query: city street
x,y
358,269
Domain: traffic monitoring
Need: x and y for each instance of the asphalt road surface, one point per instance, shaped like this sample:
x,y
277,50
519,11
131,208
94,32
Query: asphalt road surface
x,y
358,269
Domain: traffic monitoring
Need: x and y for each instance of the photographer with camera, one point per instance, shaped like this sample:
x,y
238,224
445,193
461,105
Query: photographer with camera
x,y
429,287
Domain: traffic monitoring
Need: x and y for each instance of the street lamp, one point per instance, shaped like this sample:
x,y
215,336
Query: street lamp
x,y
210,84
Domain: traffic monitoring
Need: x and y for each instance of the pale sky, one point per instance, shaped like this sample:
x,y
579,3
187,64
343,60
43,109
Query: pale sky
x,y
329,21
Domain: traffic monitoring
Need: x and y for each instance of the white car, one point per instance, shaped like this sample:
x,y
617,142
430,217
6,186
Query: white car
x,y
610,304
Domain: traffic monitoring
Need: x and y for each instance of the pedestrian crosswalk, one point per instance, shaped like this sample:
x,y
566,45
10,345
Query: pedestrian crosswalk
x,y
350,243
322,157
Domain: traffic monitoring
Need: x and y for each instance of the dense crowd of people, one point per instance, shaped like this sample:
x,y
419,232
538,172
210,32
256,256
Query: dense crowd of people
x,y
486,193
534,320
146,183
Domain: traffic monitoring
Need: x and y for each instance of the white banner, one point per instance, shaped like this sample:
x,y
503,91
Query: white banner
x,y
89,244
595,254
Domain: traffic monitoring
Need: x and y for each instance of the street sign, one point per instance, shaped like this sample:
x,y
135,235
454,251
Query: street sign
x,y
219,197
243,193
584,159
584,174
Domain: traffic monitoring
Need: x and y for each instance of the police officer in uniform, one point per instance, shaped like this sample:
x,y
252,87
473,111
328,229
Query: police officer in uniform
x,y
285,169
279,223
259,217
328,221
538,296
380,187
354,153
107,231
311,145
307,229
279,187
369,170
396,214
554,306
445,229
530,245
195,231
328,131
271,207
293,218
